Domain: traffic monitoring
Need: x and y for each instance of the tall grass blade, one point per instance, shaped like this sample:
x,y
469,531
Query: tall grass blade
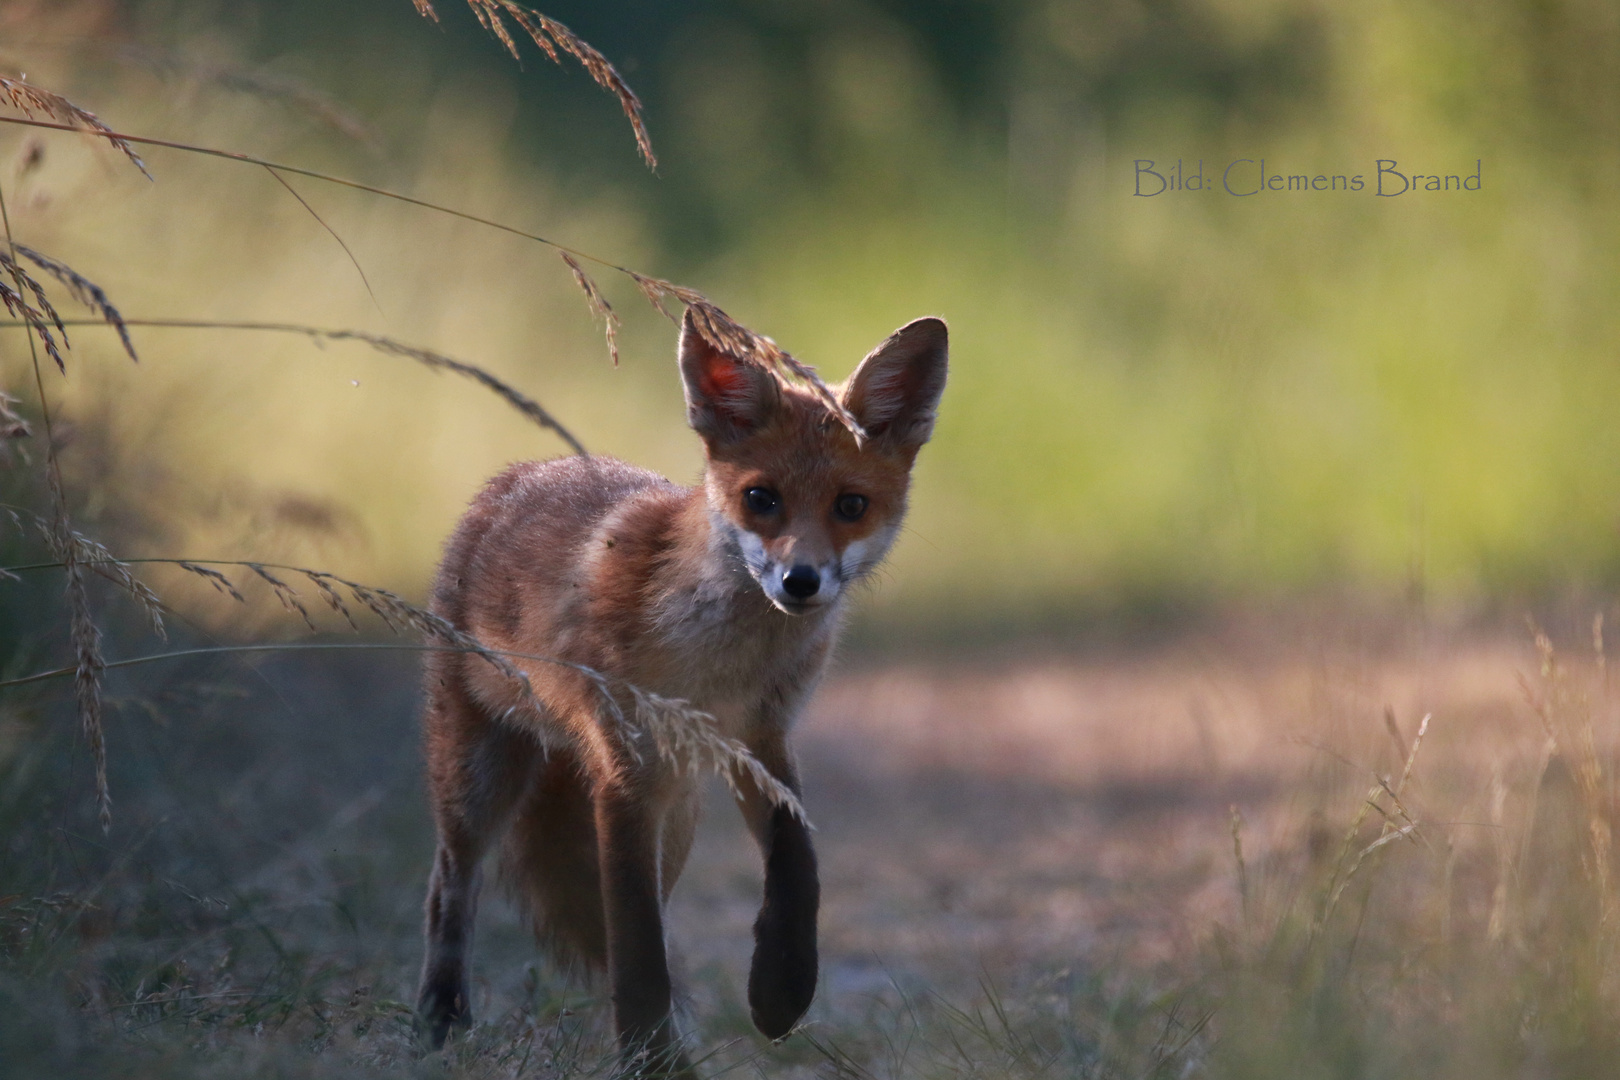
x,y
85,636
718,328
389,346
686,737
282,180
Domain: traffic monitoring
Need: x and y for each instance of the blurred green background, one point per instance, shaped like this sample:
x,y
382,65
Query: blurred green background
x,y
1167,403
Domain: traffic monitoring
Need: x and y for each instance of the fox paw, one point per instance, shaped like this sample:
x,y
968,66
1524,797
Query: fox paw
x,y
781,981
439,1011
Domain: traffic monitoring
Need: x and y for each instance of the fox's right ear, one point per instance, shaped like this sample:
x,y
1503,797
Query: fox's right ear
x,y
727,398
895,391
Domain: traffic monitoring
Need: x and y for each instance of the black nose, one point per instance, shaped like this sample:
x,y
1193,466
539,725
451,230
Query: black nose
x,y
801,582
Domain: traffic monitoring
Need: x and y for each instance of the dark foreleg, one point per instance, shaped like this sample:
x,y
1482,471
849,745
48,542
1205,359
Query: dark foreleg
x,y
782,977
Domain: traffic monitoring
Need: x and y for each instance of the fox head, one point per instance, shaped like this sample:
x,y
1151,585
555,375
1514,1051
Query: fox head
x,y
788,487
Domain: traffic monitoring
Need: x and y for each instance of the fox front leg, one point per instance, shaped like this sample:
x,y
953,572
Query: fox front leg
x,y
638,967
782,977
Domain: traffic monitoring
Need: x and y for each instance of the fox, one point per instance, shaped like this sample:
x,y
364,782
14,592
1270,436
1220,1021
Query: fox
x,y
728,595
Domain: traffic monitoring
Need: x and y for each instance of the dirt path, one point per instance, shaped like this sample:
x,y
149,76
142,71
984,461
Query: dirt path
x,y
1020,820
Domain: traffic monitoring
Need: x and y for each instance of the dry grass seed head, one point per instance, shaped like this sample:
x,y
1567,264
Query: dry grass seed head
x,y
489,16
333,598
84,634
728,335
35,318
87,683
85,292
599,305
655,289
285,593
605,74
439,362
686,737
86,640
1345,867
553,38
28,99
399,614
96,556
690,741
119,573
1561,704
218,580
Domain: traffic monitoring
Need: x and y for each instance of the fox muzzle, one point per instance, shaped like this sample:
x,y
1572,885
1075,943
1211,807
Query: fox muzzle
x,y
801,581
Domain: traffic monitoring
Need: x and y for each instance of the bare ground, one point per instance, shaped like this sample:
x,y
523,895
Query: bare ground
x,y
1018,820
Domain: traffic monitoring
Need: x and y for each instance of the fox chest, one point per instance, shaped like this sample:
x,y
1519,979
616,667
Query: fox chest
x,y
727,655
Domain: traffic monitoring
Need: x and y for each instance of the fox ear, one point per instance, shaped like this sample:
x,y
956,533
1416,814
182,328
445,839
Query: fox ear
x,y
895,391
727,398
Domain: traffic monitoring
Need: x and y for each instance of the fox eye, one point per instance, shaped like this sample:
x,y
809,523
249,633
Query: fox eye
x,y
850,507
761,500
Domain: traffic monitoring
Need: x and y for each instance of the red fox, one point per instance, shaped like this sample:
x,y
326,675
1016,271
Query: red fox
x,y
726,595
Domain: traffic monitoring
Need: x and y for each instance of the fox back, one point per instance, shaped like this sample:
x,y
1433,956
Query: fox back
x,y
597,577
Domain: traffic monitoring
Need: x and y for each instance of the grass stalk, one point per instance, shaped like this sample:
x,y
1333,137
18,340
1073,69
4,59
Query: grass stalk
x,y
389,346
86,636
718,328
685,737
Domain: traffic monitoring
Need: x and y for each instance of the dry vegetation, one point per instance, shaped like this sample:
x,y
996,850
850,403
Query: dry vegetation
x,y
1234,858
673,727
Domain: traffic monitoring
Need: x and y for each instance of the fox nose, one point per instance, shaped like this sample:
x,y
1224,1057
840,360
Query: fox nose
x,y
801,582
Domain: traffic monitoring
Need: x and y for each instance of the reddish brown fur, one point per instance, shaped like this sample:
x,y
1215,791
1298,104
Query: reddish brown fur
x,y
597,563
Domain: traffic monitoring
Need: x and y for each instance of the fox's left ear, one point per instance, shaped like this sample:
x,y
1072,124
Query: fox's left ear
x,y
727,398
895,391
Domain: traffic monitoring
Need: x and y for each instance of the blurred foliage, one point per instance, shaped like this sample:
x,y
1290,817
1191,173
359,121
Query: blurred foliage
x,y
1178,400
